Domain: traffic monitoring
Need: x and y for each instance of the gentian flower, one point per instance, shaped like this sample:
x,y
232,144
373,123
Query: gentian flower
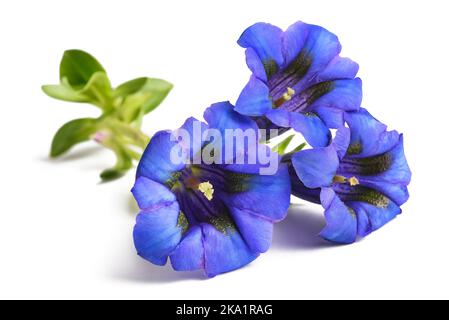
x,y
216,217
299,80
360,179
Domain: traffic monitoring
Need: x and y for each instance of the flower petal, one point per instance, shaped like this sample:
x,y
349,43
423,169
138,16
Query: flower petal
x,y
341,141
225,252
332,118
157,233
372,217
255,64
222,116
194,141
156,163
396,176
369,137
266,196
189,255
321,46
254,100
310,126
255,230
300,190
316,167
345,95
294,39
341,222
339,68
151,195
266,40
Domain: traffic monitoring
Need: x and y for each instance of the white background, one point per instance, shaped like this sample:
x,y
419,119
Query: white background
x,y
64,235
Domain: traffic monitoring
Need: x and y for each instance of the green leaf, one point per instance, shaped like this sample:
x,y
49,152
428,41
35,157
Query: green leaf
x,y
78,67
141,95
300,147
71,133
282,146
130,87
64,93
98,90
111,174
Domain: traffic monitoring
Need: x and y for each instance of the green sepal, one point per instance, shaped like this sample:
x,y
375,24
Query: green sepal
x,y
72,133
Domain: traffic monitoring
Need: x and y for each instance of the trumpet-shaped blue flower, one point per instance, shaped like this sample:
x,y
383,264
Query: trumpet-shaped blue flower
x,y
299,80
215,217
360,179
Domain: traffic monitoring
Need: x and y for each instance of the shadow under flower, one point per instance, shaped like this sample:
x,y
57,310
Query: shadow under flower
x,y
139,270
78,153
300,230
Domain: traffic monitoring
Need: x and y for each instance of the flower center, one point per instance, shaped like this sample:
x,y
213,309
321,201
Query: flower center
x,y
286,96
207,189
353,181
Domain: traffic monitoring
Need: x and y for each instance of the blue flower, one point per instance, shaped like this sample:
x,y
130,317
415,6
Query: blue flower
x,y
299,80
360,179
215,217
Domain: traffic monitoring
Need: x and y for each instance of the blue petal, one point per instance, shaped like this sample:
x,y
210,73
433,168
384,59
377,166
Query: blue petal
x,y
151,195
255,230
310,126
294,39
300,190
392,182
266,40
369,135
341,224
399,171
254,100
224,252
194,141
341,141
321,45
397,192
339,68
316,167
267,196
332,118
372,217
255,64
345,95
189,255
257,151
156,233
222,116
155,163
280,117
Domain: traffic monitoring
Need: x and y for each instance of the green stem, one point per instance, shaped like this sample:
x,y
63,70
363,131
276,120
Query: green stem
x,y
133,135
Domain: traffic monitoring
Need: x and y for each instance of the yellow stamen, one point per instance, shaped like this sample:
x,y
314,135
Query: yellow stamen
x,y
207,189
286,97
353,181
339,179
290,91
